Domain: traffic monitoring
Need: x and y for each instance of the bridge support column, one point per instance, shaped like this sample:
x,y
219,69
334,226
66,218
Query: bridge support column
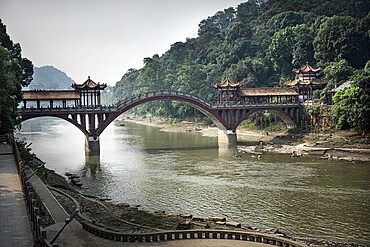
x,y
226,139
92,146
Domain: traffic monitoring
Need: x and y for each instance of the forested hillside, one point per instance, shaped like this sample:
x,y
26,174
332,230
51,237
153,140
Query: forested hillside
x,y
48,77
257,44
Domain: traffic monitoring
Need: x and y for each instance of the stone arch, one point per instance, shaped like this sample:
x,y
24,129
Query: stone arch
x,y
63,117
283,114
134,101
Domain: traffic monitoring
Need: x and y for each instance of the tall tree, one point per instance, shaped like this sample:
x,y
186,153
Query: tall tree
x,y
340,37
15,72
352,109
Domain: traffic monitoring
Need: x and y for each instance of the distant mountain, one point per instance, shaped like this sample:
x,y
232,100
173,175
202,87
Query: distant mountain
x,y
48,77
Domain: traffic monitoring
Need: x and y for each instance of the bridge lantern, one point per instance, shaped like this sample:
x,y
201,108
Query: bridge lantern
x,y
228,92
89,92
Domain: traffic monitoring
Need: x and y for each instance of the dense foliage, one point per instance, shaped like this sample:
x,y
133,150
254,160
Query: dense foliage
x,y
351,107
15,72
257,44
48,77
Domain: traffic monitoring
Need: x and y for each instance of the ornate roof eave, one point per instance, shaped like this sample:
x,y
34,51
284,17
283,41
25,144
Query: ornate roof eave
x,y
267,91
89,84
306,83
227,83
305,69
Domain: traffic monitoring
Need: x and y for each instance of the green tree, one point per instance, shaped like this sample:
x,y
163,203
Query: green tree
x,y
15,72
190,78
335,73
151,77
10,91
341,37
338,71
125,87
291,47
352,109
352,106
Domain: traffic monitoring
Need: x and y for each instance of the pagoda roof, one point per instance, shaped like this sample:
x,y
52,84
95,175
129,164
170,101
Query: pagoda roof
x,y
268,91
306,83
305,69
51,95
89,84
227,83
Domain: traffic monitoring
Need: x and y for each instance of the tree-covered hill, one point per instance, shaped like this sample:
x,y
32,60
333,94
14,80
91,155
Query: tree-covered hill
x,y
48,77
257,44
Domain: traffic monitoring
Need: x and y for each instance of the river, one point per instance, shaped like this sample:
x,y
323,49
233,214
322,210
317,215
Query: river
x,y
183,172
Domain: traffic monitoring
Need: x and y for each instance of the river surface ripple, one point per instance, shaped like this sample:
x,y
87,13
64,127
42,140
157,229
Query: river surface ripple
x,y
184,172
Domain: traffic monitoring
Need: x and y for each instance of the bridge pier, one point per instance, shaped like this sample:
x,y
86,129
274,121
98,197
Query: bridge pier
x,y
227,139
92,146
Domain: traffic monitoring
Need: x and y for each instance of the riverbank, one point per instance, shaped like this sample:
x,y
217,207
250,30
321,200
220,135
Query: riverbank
x,y
341,145
136,130
131,219
125,218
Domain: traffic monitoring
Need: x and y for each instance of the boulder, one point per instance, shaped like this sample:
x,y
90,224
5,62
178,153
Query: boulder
x,y
198,218
233,224
186,215
217,218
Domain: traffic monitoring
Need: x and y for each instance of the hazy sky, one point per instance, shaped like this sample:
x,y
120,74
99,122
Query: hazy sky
x,y
102,38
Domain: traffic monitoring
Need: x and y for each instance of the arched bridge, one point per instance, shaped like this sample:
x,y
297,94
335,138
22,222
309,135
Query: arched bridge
x,y
93,120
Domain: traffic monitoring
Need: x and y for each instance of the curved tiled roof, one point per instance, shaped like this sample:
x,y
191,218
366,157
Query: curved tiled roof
x,y
306,68
307,83
268,91
227,83
89,84
51,95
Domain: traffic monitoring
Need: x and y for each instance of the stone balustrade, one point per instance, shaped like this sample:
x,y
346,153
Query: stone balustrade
x,y
189,234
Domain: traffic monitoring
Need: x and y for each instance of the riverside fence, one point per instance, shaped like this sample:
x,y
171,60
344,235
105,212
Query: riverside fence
x,y
189,234
33,202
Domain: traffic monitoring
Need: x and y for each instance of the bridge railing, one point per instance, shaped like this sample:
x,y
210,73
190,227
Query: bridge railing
x,y
238,105
69,109
140,96
33,202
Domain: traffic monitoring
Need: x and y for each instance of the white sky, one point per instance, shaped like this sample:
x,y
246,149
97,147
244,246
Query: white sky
x,y
102,38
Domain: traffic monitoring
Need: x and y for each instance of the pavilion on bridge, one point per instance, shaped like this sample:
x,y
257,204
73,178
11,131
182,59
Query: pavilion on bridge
x,y
89,92
306,82
86,94
233,93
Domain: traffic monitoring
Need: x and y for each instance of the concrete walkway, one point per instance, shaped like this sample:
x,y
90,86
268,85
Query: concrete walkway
x,y
15,228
